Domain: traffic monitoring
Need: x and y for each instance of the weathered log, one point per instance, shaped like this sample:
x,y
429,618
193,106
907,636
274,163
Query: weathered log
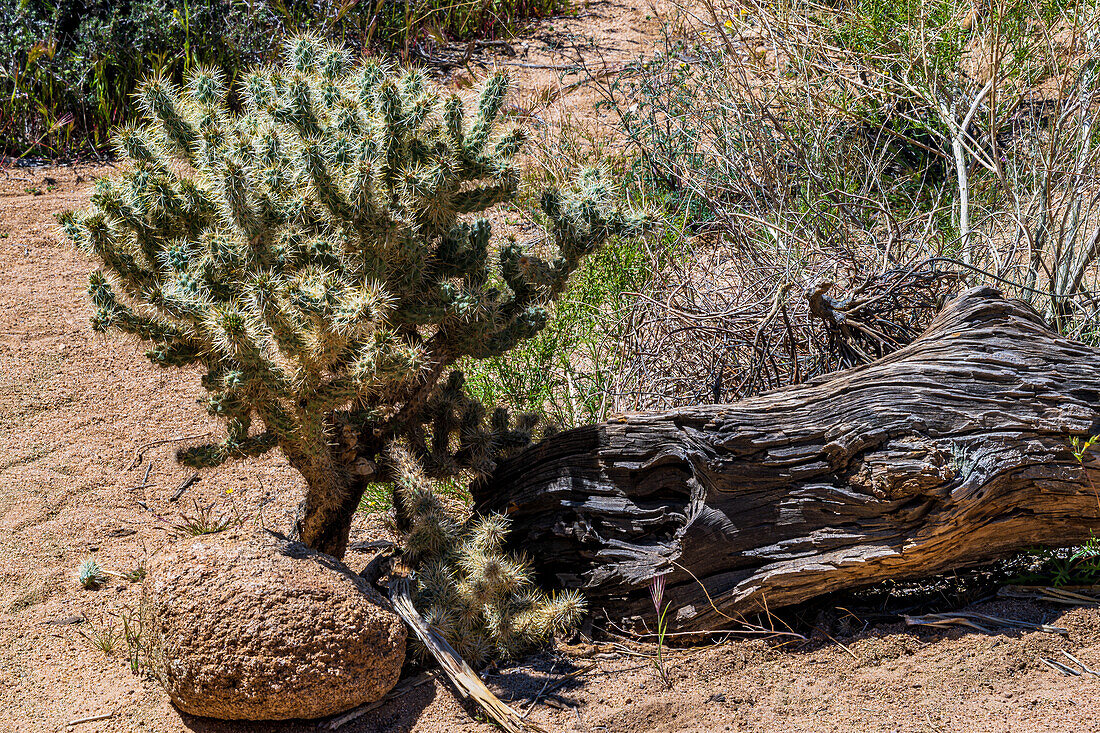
x,y
952,451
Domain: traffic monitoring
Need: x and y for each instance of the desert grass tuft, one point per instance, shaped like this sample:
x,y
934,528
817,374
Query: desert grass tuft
x,y
203,519
103,636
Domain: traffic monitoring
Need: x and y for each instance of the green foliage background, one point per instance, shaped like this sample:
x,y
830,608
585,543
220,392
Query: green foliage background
x,y
68,68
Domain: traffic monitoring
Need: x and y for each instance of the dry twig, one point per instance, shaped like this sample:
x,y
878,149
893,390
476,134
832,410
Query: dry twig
x,y
1085,668
91,719
1059,667
979,621
1051,595
465,681
139,452
187,483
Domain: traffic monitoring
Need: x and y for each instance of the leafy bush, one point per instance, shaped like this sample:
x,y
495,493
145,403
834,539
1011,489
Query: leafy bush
x,y
1066,566
571,373
68,68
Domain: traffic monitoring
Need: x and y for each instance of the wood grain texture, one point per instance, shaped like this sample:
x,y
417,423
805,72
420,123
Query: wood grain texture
x,y
947,453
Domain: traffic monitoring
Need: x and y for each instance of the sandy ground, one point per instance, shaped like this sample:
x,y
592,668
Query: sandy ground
x,y
76,409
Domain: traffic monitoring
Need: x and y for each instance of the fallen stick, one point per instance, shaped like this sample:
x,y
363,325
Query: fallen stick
x,y
943,620
144,480
192,480
1082,665
1059,667
465,680
140,451
551,67
1061,595
624,649
852,654
1050,595
92,719
933,726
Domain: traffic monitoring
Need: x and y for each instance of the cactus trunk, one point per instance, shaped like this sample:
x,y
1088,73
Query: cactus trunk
x,y
324,517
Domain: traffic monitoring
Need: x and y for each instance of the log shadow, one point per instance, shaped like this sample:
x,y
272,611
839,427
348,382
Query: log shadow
x,y
984,595
398,715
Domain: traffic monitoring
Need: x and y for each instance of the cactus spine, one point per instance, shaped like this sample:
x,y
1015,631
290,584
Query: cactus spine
x,y
314,255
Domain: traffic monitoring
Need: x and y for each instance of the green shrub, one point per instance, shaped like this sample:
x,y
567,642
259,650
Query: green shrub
x,y
567,373
69,68
875,154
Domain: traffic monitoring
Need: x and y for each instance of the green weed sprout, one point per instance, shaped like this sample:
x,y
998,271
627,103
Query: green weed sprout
x,y
1081,453
102,637
319,256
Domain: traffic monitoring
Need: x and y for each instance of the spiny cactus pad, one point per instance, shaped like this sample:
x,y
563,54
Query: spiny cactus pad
x,y
314,255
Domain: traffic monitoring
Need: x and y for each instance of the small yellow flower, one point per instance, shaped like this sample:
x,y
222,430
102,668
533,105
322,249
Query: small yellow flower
x,y
229,491
729,23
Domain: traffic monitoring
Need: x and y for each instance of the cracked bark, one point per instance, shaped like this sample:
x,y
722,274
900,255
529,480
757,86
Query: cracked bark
x,y
950,452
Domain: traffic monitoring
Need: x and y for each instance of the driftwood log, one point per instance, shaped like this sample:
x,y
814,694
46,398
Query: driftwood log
x,y
952,451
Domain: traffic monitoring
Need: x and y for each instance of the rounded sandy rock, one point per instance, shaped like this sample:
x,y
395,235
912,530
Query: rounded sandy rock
x,y
246,625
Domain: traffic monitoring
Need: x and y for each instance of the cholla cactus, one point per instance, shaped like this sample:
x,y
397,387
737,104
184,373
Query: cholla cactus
x,y
311,255
480,598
